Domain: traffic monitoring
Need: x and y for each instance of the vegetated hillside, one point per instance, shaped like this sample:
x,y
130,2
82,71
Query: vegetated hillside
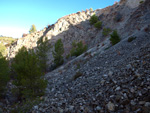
x,y
106,78
5,41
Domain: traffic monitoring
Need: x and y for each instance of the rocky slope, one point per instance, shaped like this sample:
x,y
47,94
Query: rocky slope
x,y
106,78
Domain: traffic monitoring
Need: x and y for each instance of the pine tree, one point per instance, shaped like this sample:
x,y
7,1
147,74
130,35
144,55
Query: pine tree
x,y
42,49
57,54
33,29
93,19
114,37
4,74
28,74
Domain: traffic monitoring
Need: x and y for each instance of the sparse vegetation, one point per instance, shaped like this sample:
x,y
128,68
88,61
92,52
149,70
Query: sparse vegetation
x,y
57,54
98,25
2,49
114,37
4,75
93,19
77,75
106,31
130,39
26,106
28,75
33,29
78,48
5,41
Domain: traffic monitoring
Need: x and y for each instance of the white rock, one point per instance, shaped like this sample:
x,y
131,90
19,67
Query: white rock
x,y
111,106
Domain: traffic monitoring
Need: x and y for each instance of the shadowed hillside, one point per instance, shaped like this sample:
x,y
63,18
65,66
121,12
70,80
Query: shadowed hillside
x,y
110,76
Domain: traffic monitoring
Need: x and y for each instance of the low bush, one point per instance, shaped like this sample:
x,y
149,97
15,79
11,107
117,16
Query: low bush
x,y
130,39
114,38
98,25
93,19
141,2
106,31
78,48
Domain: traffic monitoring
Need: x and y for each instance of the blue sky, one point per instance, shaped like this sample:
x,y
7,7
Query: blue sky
x,y
17,16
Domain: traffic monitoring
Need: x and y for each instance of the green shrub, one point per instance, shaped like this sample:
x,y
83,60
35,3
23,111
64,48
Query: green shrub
x,y
106,31
114,38
78,48
93,19
141,2
130,39
57,54
42,49
4,74
28,74
98,25
77,75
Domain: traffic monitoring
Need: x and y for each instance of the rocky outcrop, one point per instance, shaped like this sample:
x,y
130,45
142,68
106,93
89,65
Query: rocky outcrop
x,y
76,27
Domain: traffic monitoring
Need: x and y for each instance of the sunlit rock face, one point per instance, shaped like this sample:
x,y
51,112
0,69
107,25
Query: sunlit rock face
x,y
76,27
134,3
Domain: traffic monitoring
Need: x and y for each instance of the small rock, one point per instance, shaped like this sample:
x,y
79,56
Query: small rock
x,y
118,97
142,102
98,108
147,104
132,103
111,106
132,90
129,66
118,88
36,107
71,108
102,82
125,95
105,75
110,73
61,110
